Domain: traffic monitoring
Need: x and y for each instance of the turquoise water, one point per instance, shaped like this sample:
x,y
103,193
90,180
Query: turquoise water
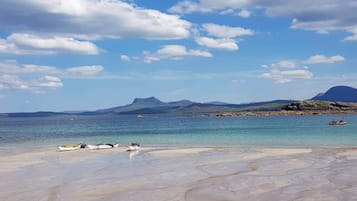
x,y
167,130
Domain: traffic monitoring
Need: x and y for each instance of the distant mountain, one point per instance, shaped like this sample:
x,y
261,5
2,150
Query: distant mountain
x,y
217,103
152,105
137,104
147,102
181,103
338,93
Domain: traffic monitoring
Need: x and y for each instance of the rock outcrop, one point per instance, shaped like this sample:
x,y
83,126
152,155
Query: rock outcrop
x,y
312,105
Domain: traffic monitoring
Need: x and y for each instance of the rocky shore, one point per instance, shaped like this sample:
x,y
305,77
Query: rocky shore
x,y
309,107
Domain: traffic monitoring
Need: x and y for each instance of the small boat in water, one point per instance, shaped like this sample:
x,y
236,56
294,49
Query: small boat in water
x,y
337,122
103,146
134,146
71,147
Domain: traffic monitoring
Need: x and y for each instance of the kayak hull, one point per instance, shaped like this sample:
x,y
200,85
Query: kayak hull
x,y
102,146
68,148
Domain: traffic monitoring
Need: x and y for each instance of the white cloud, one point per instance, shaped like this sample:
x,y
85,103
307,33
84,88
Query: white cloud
x,y
50,82
85,70
352,37
285,76
282,76
8,82
226,31
285,64
322,59
316,15
90,19
316,59
206,6
244,13
223,44
12,82
31,44
320,16
12,67
14,75
227,12
125,57
174,52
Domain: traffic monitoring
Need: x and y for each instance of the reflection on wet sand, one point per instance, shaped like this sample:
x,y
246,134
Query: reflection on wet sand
x,y
132,154
180,174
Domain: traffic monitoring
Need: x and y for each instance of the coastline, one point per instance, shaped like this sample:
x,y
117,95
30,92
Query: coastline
x,y
180,173
307,107
282,113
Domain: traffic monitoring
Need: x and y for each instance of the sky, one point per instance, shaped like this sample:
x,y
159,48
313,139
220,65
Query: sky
x,y
60,55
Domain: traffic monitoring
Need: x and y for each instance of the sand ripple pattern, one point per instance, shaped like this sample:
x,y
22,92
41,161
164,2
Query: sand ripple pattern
x,y
181,174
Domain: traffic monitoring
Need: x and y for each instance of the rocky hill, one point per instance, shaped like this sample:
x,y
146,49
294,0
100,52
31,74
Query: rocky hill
x,y
309,107
313,105
338,93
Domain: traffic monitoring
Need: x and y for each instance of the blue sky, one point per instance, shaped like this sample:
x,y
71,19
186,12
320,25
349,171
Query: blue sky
x,y
59,55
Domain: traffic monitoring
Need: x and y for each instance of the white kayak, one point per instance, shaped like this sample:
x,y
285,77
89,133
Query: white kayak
x,y
102,146
69,147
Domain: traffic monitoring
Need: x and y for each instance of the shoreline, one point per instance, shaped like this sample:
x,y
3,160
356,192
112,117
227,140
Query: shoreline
x,y
280,113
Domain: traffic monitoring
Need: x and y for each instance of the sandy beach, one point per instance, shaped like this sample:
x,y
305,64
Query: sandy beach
x,y
175,174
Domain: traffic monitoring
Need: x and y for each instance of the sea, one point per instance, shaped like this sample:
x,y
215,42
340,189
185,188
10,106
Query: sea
x,y
179,131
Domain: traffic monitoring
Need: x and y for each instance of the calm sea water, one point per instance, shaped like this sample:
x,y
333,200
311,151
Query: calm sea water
x,y
166,130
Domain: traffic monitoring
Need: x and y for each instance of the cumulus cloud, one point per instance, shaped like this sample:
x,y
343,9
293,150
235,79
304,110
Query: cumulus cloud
x,y
223,44
284,76
31,44
14,75
223,36
83,19
174,52
279,74
322,59
223,31
314,15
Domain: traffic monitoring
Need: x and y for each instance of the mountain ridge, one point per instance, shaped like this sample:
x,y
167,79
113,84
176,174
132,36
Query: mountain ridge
x,y
152,105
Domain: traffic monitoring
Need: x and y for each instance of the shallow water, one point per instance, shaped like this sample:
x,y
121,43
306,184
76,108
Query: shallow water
x,y
168,130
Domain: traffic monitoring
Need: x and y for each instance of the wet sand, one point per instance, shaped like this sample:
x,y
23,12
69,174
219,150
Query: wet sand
x,y
173,174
